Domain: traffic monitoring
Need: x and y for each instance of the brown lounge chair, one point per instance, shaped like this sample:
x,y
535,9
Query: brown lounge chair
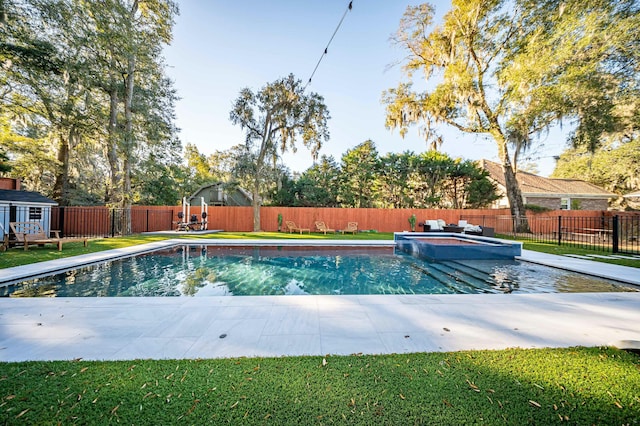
x,y
32,233
351,227
322,227
293,228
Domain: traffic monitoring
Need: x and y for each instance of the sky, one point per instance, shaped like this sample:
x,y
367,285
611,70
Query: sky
x,y
223,46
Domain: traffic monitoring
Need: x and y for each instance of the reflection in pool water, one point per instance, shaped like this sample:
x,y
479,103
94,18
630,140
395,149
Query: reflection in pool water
x,y
218,271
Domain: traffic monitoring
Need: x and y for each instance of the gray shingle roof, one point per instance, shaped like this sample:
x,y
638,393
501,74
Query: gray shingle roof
x,y
24,197
531,184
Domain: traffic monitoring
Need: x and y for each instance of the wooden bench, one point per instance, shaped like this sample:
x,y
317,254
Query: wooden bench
x,y
31,233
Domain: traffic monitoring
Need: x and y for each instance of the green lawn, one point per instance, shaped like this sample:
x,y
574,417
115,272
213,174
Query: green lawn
x,y
515,386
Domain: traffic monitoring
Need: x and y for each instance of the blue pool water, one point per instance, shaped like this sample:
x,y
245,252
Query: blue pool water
x,y
215,271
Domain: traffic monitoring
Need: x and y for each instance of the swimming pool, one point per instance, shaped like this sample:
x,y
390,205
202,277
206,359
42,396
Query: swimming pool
x,y
200,270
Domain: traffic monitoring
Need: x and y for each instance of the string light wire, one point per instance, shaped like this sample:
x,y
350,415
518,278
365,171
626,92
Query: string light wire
x,y
326,49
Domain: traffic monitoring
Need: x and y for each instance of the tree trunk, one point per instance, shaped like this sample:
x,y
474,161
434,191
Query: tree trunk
x,y
113,191
513,190
61,185
255,203
129,144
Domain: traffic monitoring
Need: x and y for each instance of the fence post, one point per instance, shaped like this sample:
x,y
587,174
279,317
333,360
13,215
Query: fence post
x,y
615,237
61,221
113,222
147,220
559,230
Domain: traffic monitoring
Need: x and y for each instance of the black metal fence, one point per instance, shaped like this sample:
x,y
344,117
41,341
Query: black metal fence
x,y
613,234
92,222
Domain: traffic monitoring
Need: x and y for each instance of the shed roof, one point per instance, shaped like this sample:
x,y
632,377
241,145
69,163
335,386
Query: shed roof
x,y
531,184
243,191
9,195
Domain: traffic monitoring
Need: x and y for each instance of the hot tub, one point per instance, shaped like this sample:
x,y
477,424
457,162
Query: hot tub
x,y
453,246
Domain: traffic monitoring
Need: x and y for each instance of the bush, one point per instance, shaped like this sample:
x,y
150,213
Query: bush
x,y
537,209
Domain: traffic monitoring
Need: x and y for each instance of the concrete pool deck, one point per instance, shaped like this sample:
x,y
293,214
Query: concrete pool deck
x,y
192,327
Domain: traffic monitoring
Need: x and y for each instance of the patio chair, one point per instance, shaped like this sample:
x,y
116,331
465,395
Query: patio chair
x,y
351,227
32,233
322,227
291,226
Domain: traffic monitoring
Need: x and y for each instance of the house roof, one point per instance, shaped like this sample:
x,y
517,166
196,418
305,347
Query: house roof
x,y
534,185
24,197
243,191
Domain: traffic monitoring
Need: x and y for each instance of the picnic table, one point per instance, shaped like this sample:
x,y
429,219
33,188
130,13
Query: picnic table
x,y
601,233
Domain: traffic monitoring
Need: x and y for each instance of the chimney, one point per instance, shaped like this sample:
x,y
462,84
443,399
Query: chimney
x,y
10,183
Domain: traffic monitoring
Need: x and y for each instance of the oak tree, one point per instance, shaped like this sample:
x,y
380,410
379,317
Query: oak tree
x,y
273,119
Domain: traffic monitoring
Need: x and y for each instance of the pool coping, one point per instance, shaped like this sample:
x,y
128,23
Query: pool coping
x,y
119,328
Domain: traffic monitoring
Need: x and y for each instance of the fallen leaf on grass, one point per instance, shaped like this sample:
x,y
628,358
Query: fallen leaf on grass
x,y
473,386
22,413
324,362
534,403
617,404
447,403
235,405
402,396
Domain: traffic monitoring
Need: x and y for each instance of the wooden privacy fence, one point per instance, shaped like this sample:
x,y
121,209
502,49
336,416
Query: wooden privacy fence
x,y
381,220
103,221
107,222
552,226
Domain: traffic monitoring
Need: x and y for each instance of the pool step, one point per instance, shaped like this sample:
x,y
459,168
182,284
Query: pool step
x,y
488,275
473,282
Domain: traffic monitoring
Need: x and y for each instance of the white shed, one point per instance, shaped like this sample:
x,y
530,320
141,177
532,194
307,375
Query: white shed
x,y
24,206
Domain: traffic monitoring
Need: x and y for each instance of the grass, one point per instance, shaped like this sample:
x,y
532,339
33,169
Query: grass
x,y
515,386
17,256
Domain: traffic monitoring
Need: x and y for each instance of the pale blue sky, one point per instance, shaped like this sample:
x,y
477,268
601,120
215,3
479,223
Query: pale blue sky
x,y
222,46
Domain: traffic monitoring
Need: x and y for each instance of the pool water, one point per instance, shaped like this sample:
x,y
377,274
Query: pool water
x,y
238,271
